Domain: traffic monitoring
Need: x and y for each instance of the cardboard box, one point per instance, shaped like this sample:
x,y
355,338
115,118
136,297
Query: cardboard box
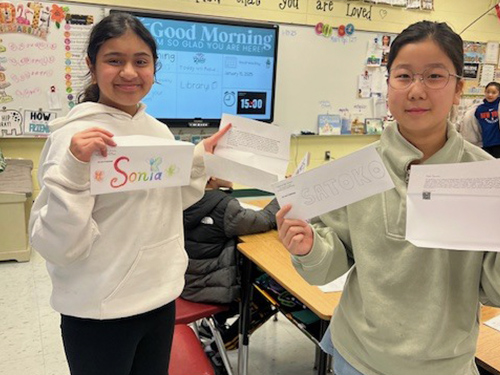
x,y
141,162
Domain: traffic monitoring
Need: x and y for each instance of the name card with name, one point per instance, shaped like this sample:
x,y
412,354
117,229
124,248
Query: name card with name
x,y
141,162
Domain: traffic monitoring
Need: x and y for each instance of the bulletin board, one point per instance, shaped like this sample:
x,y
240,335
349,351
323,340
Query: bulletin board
x,y
319,75
42,63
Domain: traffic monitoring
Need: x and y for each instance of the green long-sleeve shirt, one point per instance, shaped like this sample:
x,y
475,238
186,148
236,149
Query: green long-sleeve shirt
x,y
405,310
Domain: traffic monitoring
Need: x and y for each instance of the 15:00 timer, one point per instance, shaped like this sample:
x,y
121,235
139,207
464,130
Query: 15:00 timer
x,y
253,104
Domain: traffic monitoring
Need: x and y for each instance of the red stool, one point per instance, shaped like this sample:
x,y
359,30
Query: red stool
x,y
187,355
188,312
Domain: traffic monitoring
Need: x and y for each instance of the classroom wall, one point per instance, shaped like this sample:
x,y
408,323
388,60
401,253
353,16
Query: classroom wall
x,y
365,16
318,145
375,17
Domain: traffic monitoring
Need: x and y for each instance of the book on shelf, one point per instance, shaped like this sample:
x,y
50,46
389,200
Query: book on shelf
x,y
329,124
357,126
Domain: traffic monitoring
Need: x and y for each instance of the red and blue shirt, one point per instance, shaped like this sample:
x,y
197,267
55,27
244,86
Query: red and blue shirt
x,y
487,116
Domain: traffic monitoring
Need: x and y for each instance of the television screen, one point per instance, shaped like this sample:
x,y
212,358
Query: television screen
x,y
211,67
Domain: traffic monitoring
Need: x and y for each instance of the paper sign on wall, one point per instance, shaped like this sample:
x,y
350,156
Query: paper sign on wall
x,y
141,162
37,122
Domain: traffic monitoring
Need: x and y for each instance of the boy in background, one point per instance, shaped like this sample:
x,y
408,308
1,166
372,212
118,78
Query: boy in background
x,y
480,125
211,228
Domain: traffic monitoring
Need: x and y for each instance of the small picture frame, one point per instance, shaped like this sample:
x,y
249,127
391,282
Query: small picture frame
x,y
374,126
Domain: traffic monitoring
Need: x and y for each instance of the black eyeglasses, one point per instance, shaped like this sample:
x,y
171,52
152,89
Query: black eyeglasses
x,y
434,78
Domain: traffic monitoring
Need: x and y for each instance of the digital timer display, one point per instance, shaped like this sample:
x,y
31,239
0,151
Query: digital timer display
x,y
251,103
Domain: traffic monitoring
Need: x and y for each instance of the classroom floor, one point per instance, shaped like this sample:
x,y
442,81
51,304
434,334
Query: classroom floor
x,y
31,344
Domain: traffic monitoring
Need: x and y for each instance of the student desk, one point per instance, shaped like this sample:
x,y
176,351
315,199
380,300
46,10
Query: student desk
x,y
488,344
265,251
272,258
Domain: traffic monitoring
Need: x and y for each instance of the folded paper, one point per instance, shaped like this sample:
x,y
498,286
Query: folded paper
x,y
141,162
454,206
334,184
251,153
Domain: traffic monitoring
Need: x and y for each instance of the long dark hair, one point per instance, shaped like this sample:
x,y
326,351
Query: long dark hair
x,y
113,26
449,41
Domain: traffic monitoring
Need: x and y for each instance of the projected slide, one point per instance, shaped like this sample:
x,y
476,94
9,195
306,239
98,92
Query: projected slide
x,y
209,69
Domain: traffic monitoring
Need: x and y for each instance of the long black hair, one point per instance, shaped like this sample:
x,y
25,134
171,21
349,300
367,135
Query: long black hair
x,y
113,26
439,32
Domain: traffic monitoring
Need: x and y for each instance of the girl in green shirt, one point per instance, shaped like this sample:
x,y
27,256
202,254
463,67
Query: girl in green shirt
x,y
404,309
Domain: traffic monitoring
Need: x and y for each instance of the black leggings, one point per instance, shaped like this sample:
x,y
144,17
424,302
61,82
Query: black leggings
x,y
136,345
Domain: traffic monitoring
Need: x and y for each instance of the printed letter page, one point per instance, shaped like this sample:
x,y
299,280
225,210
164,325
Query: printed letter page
x,y
454,206
251,153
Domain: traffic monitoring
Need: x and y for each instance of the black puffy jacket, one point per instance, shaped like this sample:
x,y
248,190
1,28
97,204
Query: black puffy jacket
x,y
211,227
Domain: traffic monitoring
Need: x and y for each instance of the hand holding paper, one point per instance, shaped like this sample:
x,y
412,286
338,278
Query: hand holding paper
x,y
141,162
295,234
251,153
211,142
85,143
334,185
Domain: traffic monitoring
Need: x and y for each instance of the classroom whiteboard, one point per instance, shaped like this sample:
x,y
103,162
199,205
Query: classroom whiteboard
x,y
319,75
42,62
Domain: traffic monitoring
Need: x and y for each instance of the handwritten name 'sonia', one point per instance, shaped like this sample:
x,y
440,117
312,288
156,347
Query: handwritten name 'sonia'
x,y
133,176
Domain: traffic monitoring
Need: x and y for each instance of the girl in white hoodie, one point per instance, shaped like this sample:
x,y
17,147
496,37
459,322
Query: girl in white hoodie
x,y
116,261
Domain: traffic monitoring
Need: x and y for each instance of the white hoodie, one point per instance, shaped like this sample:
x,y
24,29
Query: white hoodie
x,y
114,255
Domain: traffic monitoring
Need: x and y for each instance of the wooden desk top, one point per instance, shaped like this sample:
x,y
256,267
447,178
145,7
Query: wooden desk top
x,y
258,202
273,258
488,344
268,253
272,235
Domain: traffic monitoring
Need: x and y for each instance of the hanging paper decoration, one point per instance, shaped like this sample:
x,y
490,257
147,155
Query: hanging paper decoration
x,y
386,48
349,29
341,30
30,18
399,3
474,52
374,52
428,4
414,4
323,29
58,14
497,8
